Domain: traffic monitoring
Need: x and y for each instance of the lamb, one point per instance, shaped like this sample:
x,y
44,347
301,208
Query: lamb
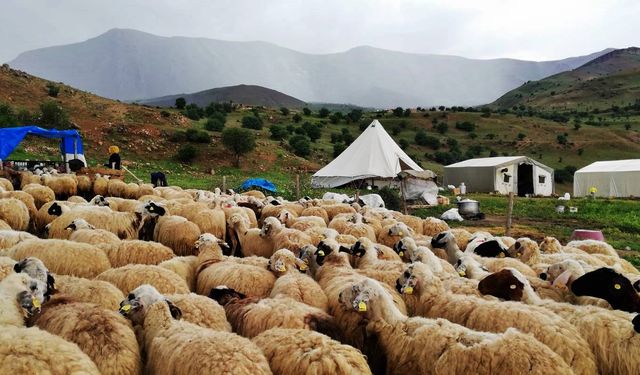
x,y
426,346
34,351
358,228
413,222
41,194
251,316
201,311
298,351
185,267
105,336
15,213
177,347
462,237
283,238
214,271
121,253
393,233
23,197
131,276
177,233
101,185
291,283
21,296
81,231
301,223
431,226
248,239
101,293
477,313
9,238
336,209
609,333
63,257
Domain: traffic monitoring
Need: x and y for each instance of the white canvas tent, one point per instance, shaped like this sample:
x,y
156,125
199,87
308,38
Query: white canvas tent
x,y
518,174
373,154
615,178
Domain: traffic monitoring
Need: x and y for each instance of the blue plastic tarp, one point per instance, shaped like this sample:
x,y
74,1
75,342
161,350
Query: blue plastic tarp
x,y
10,138
258,182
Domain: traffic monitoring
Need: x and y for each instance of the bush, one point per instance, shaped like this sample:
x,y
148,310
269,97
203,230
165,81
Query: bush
x,y
390,197
297,118
338,148
300,145
214,124
334,118
442,127
421,138
53,116
335,138
407,112
403,143
565,174
181,103
347,138
7,115
193,112
285,111
562,139
521,136
466,126
323,112
252,122
187,153
395,130
313,131
398,112
53,90
355,115
198,136
238,141
306,111
278,132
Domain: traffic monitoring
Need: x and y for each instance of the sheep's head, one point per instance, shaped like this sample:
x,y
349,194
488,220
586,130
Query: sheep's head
x,y
507,284
140,299
270,226
407,283
208,239
284,216
406,246
283,260
358,296
99,200
322,252
152,209
466,264
37,270
55,209
550,245
358,249
78,224
491,249
400,229
442,239
563,273
305,255
523,247
29,292
223,295
609,285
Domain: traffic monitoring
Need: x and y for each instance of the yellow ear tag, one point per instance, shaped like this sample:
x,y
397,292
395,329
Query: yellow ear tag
x,y
303,267
560,285
362,306
408,290
501,255
321,253
617,286
125,308
36,302
401,253
402,234
462,273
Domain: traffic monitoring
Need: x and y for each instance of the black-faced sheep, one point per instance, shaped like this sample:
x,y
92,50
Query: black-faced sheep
x,y
21,296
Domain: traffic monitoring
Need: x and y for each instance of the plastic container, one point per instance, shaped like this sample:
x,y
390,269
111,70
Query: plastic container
x,y
586,234
463,188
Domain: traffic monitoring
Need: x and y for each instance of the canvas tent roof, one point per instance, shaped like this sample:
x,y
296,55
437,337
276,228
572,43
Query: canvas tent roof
x,y
493,162
630,165
615,178
372,154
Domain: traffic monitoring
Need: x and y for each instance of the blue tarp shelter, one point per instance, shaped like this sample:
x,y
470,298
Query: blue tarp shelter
x,y
258,182
70,144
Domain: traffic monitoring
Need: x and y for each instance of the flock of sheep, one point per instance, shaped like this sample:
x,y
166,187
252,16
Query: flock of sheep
x,y
103,277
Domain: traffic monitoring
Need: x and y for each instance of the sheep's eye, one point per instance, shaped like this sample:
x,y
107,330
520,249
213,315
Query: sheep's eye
x,y
131,296
407,274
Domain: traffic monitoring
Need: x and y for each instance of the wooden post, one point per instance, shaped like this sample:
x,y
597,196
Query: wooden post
x,y
404,200
509,214
297,186
224,183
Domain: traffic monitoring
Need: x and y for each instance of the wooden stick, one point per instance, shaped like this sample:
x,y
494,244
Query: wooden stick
x,y
297,186
509,214
131,173
404,200
224,184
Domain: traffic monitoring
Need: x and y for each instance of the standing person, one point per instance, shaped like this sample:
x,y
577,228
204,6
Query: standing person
x,y
114,157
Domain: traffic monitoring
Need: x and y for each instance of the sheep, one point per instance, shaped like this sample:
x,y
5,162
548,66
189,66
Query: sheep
x,y
609,333
6,184
132,191
412,222
391,234
529,253
248,239
301,223
185,267
26,178
101,186
101,293
25,198
177,233
429,346
251,316
41,194
316,212
81,231
131,276
64,186
462,237
283,238
594,247
77,199
201,311
85,186
21,296
271,210
333,210
34,351
145,189
208,220
105,336
298,351
117,188
15,213
609,285
477,313
9,238
177,347
214,271
291,283
4,225
121,253
431,226
357,228
6,267
63,257
36,269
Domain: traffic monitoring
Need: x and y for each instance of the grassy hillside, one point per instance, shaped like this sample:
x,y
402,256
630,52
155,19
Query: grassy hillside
x,y
609,80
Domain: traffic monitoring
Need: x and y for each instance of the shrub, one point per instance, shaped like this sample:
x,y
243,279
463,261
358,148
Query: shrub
x,y
53,116
313,131
398,112
300,145
238,141
291,129
576,126
306,111
473,135
466,126
407,112
335,138
565,174
442,127
278,132
338,148
7,115
403,143
297,118
285,111
198,136
214,124
355,115
53,90
323,112
521,136
452,143
252,122
334,118
627,126
193,112
562,139
187,153
390,197
181,103
395,130
421,138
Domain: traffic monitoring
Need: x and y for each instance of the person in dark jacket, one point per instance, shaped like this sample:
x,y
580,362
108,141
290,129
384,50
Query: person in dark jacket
x,y
114,158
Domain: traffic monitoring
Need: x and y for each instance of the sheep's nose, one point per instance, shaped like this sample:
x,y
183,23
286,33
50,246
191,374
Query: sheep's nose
x,y
543,276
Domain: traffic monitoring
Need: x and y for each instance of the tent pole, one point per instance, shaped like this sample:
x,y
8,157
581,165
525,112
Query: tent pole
x,y
509,214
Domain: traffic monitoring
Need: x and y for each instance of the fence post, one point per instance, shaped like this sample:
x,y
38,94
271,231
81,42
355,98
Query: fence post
x,y
297,186
509,214
224,183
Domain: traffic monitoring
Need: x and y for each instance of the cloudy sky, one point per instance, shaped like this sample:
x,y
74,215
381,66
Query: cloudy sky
x,y
526,29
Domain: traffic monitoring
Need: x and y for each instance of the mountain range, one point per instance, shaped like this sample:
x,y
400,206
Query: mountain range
x,y
132,65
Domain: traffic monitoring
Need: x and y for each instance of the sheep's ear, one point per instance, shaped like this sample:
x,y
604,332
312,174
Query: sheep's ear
x,y
176,313
18,267
51,281
55,209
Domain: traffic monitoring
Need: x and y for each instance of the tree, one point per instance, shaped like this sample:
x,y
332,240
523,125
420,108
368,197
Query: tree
x,y
193,112
407,112
300,145
466,126
53,116
214,124
576,126
355,115
562,139
338,148
421,138
297,118
187,153
252,122
335,138
285,111
53,90
278,132
239,142
306,111
403,143
334,118
198,136
627,126
398,112
521,136
442,127
181,103
323,112
7,115
312,130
